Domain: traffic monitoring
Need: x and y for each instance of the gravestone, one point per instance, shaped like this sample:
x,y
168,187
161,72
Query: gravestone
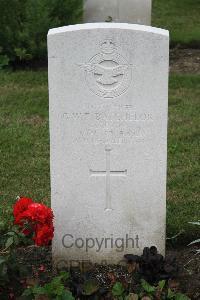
x,y
108,89
123,11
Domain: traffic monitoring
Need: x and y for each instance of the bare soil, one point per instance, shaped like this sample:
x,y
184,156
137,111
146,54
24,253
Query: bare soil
x,y
189,271
185,61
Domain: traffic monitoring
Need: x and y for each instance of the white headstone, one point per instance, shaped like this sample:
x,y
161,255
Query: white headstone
x,y
124,11
108,88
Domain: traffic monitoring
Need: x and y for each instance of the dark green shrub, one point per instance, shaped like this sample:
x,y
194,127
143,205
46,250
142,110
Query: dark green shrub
x,y
25,23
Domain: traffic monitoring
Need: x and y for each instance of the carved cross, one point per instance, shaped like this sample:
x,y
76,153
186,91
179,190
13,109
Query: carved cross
x,y
108,173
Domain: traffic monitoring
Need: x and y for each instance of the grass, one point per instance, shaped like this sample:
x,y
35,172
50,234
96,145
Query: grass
x,y
183,155
24,152
181,18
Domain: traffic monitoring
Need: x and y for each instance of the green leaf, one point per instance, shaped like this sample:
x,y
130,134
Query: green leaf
x,y
55,287
170,294
28,292
38,290
118,289
180,296
147,287
161,284
90,287
22,54
9,242
64,275
10,233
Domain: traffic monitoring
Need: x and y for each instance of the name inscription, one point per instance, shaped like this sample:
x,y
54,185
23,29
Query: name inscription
x,y
111,126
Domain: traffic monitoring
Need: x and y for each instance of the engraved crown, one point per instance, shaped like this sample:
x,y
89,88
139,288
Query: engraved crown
x,y
108,46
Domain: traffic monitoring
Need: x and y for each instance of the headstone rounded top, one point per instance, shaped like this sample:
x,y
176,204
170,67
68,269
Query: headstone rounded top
x,y
123,26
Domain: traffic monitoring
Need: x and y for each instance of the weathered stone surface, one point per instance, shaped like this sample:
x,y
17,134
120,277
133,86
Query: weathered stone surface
x,y
123,11
108,89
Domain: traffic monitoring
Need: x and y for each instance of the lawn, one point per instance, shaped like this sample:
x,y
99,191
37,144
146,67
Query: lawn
x,y
181,18
24,151
183,155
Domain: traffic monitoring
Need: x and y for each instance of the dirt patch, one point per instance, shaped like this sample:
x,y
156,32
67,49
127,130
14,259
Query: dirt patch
x,y
185,61
34,120
189,271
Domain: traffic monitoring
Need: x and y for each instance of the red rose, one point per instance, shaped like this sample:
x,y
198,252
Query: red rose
x,y
34,218
19,207
40,213
43,235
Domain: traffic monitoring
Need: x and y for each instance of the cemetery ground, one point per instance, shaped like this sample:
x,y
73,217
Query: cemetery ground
x,y
25,162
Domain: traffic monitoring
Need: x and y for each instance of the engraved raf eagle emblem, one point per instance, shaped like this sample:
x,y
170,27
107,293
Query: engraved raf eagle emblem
x,y
108,74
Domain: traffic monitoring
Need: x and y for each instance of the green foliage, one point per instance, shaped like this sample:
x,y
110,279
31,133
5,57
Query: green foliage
x,y
4,61
13,238
149,289
161,284
11,272
118,290
53,290
175,296
58,288
25,23
160,292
